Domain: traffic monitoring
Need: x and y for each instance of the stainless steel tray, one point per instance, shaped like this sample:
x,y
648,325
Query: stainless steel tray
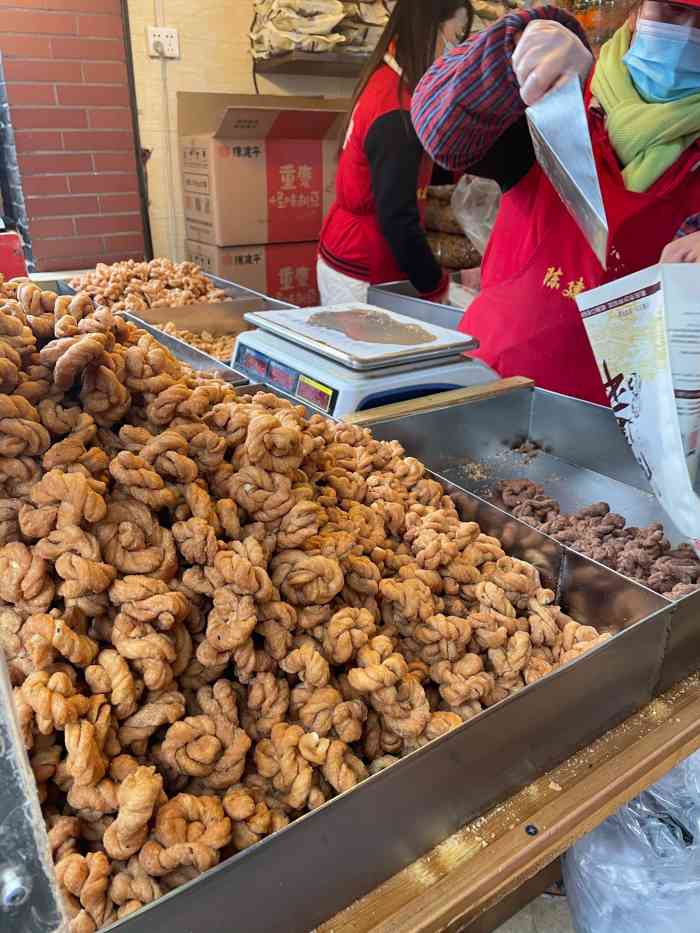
x,y
584,459
188,354
404,299
226,317
329,858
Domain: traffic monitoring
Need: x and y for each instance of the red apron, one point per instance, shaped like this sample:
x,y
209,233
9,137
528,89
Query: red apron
x,y
537,261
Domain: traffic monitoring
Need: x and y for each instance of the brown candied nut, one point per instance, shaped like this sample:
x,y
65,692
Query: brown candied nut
x,y
348,631
536,669
73,497
264,495
44,760
339,766
310,617
276,622
76,555
349,718
279,759
442,638
159,710
308,664
384,487
337,545
84,882
267,704
21,431
112,676
379,666
133,541
132,888
43,634
406,601
138,795
427,492
196,541
147,599
54,700
230,624
85,741
25,579
463,680
306,580
18,476
227,512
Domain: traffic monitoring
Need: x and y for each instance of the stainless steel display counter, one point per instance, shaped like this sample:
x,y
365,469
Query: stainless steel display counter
x,y
584,458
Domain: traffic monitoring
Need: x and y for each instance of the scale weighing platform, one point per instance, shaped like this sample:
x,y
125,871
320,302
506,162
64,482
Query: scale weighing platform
x,y
346,358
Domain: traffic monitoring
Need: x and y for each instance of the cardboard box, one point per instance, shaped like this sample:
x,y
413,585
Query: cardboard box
x,y
265,172
286,271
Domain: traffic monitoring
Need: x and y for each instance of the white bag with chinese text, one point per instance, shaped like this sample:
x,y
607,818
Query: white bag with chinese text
x,y
644,331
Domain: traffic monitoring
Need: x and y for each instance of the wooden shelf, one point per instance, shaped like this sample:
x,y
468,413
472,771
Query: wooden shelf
x,y
316,64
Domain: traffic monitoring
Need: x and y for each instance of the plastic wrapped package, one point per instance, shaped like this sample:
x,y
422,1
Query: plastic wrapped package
x,y
296,25
475,203
453,252
440,217
639,872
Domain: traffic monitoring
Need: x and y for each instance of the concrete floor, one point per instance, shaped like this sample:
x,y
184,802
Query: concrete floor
x,y
544,915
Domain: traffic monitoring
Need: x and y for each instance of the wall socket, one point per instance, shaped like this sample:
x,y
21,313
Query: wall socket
x,y
163,42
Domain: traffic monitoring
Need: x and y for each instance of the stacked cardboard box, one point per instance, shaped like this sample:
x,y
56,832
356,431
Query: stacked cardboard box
x,y
256,189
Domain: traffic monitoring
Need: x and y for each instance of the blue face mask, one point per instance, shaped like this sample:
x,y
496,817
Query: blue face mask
x,y
664,61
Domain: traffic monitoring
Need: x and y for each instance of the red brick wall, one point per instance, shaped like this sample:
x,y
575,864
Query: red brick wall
x,y
65,69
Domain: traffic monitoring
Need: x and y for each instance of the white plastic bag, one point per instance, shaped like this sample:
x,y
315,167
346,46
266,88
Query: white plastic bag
x,y
639,872
643,330
475,203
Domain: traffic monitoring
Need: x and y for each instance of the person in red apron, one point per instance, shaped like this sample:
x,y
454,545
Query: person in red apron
x,y
373,232
643,100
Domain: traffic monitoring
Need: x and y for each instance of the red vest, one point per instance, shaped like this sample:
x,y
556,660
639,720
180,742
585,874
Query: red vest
x,y
351,240
537,261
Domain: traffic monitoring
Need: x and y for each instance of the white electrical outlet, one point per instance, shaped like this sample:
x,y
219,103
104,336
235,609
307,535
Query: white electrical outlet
x,y
163,42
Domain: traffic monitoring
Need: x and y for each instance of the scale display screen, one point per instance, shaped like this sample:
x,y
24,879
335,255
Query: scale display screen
x,y
316,393
263,368
282,376
254,363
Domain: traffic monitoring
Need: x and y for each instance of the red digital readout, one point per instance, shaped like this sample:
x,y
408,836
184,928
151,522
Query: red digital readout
x,y
282,377
254,363
319,395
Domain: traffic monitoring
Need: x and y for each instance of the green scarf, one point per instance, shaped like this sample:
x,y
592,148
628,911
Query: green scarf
x,y
648,138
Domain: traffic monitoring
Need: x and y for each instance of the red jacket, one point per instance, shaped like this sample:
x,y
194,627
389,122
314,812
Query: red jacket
x,y
470,116
373,231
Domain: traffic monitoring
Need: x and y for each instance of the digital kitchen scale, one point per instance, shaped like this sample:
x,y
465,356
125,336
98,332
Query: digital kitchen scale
x,y
346,358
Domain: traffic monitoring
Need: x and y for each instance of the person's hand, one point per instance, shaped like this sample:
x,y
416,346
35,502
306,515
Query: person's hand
x,y
547,55
684,249
471,278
